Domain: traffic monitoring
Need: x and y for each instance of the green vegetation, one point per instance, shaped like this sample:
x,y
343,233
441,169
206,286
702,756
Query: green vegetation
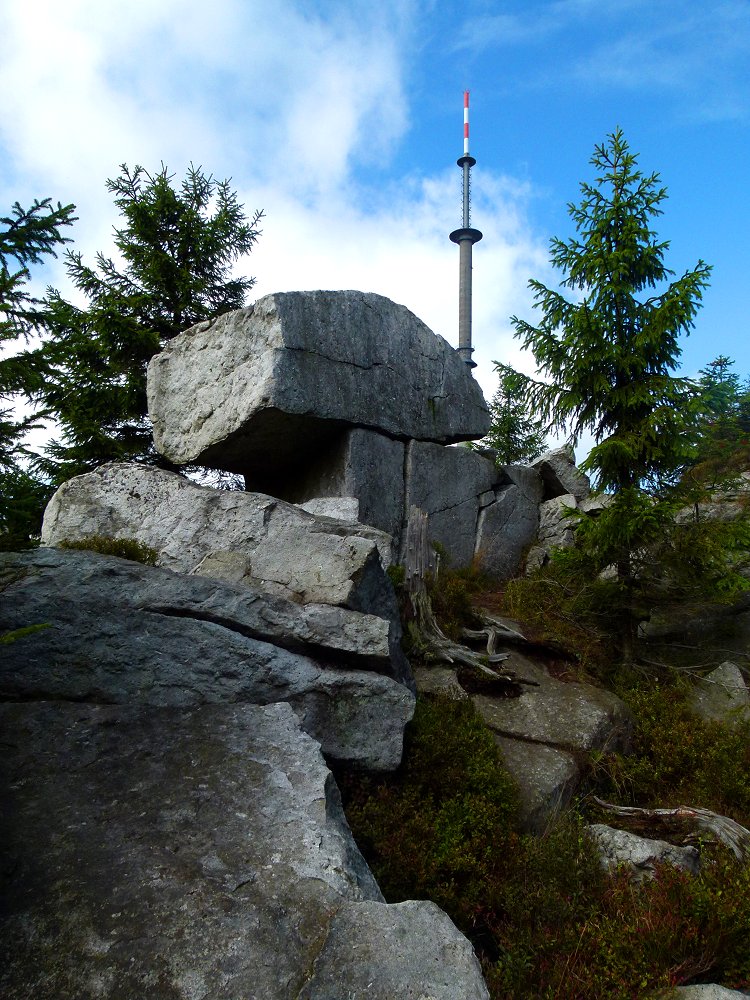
x,y
544,917
27,237
516,434
452,593
677,758
125,548
606,359
20,633
546,920
178,247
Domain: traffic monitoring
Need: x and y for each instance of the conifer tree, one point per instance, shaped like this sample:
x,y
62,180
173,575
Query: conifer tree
x,y
607,357
178,247
27,236
515,434
722,435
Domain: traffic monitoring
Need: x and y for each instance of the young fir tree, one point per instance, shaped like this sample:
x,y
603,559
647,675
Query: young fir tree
x,y
515,434
607,356
723,445
178,247
27,236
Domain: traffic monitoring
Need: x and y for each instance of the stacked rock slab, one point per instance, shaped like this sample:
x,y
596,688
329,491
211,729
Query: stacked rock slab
x,y
314,395
323,394
95,628
246,537
273,380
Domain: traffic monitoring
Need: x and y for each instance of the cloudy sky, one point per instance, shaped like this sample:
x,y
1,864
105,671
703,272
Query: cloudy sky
x,y
342,120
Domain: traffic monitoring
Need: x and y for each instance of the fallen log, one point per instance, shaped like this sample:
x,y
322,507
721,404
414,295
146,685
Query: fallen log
x,y
721,828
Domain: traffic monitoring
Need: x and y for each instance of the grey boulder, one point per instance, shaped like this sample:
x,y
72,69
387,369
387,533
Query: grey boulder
x,y
448,484
640,854
273,545
547,778
508,526
108,630
722,696
561,475
364,953
568,715
707,991
273,380
195,853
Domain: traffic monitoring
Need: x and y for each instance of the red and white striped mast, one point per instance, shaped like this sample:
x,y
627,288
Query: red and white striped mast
x,y
466,237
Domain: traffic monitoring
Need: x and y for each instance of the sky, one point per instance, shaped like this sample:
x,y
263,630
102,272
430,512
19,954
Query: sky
x,y
342,120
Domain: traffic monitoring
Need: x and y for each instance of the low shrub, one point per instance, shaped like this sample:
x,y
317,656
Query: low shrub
x,y
566,610
438,829
544,917
125,548
452,592
678,759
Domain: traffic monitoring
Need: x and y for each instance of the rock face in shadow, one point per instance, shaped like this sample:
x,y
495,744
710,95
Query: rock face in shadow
x,y
722,696
281,375
114,631
184,853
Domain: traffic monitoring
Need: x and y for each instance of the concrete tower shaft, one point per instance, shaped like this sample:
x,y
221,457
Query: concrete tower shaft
x,y
466,237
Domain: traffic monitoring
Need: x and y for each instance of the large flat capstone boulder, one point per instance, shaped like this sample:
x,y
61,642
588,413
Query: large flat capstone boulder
x,y
191,853
95,628
246,537
274,380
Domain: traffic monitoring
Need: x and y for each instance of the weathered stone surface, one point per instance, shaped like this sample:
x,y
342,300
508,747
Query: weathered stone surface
x,y
273,379
560,474
117,632
439,681
342,508
200,853
546,779
708,991
447,483
291,553
595,503
556,525
363,464
556,529
528,481
364,955
722,696
505,530
641,854
567,715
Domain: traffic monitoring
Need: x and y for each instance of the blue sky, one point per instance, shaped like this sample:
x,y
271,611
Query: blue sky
x,y
343,122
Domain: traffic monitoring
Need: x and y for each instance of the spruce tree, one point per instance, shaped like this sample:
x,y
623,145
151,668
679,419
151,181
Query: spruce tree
x,y
607,355
178,247
515,434
27,236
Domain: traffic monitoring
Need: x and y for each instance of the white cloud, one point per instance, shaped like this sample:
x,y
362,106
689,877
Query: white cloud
x,y
288,102
400,248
